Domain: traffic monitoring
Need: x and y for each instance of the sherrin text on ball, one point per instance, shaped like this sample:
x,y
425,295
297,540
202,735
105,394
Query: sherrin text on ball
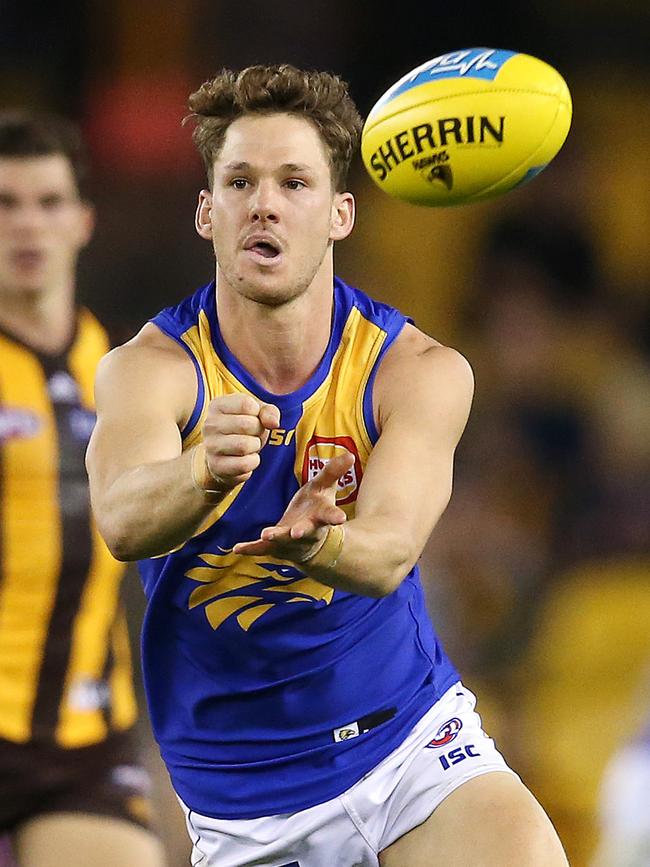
x,y
466,126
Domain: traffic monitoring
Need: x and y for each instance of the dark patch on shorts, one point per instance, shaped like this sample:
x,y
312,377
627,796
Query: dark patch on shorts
x,y
105,779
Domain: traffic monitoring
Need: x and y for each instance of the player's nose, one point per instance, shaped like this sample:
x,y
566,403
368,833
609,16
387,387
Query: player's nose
x,y
28,217
264,203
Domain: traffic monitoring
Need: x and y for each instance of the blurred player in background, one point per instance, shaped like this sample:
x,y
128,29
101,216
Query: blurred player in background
x,y
624,815
72,791
624,812
277,449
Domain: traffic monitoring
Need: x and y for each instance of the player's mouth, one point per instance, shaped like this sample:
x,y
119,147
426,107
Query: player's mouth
x,y
263,248
28,259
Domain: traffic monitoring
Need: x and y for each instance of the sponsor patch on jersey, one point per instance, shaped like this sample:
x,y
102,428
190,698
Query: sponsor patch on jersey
x,y
18,423
344,733
62,388
133,777
446,733
81,421
88,694
319,451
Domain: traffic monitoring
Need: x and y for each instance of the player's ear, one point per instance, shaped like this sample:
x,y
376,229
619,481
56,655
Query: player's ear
x,y
86,223
343,211
203,218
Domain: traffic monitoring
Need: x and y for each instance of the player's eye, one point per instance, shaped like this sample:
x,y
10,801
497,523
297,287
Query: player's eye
x,y
7,201
239,183
295,184
52,202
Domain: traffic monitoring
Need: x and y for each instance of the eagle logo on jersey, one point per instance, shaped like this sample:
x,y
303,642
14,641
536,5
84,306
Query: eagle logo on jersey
x,y
246,587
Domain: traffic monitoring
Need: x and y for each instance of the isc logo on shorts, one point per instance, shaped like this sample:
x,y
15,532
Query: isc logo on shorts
x,y
319,451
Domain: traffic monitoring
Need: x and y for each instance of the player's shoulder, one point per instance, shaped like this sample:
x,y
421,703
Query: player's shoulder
x,y
150,356
417,365
417,353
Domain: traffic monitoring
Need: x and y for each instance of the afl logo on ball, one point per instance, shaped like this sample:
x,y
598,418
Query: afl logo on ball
x,y
446,733
319,451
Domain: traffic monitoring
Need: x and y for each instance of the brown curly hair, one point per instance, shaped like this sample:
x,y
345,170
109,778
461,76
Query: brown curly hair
x,y
320,97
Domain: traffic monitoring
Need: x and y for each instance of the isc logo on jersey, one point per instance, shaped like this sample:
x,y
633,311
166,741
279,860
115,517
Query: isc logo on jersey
x,y
319,451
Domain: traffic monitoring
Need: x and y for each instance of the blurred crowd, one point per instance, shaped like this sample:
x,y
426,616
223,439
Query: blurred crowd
x,y
554,470
539,573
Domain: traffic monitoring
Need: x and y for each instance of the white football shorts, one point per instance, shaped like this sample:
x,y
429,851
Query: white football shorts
x,y
445,749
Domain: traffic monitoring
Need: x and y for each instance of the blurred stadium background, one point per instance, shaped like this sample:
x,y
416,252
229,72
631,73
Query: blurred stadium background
x,y
539,573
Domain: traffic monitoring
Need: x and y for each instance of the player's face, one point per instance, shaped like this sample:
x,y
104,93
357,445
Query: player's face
x,y
272,214
43,224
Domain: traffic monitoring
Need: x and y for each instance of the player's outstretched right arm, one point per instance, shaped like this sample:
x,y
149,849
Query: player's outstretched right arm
x,y
148,495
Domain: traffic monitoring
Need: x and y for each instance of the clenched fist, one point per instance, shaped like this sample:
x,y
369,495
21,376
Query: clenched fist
x,y
235,430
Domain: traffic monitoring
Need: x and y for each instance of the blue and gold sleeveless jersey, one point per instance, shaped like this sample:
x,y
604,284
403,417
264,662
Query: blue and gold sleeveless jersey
x,y
268,691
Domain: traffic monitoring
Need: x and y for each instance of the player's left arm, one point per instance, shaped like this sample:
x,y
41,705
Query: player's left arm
x,y
423,393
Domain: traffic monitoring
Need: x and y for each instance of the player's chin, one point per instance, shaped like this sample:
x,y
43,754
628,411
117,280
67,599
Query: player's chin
x,y
29,285
272,290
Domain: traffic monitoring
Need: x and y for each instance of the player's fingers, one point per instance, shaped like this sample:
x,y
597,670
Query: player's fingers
x,y
269,419
309,524
256,547
235,468
304,527
333,470
248,425
235,404
233,444
269,416
275,534
333,515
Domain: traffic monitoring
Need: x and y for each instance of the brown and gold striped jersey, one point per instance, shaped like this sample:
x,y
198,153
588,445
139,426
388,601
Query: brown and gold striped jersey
x,y
65,666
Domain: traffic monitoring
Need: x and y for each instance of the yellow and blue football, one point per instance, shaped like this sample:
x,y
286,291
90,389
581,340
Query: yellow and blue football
x,y
466,126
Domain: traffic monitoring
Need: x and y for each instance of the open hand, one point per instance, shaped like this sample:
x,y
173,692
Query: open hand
x,y
306,519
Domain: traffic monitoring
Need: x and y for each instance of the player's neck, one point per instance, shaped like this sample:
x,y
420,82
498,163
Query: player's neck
x,y
42,320
282,346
